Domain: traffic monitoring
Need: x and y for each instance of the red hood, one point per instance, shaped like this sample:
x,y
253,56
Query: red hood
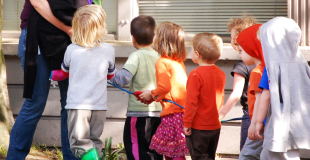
x,y
249,42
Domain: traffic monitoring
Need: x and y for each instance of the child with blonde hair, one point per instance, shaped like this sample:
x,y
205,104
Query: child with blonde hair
x,y
91,63
205,96
169,139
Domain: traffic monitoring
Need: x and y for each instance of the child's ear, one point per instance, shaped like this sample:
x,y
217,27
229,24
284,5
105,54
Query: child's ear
x,y
197,54
133,39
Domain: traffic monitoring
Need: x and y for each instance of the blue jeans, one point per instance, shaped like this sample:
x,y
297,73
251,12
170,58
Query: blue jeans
x,y
25,125
245,124
22,46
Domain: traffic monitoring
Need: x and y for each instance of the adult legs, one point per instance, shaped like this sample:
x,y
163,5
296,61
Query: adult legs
x,y
23,130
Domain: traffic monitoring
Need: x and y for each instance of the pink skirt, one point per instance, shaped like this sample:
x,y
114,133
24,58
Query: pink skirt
x,y
169,139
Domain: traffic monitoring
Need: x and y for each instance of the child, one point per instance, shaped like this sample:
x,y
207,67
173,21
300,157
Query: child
x,y
205,96
287,127
139,70
169,139
251,53
241,73
90,61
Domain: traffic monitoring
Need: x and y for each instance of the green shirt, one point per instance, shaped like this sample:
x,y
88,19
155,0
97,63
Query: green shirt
x,y
141,64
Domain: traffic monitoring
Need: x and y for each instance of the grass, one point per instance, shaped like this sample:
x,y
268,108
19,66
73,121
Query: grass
x,y
44,151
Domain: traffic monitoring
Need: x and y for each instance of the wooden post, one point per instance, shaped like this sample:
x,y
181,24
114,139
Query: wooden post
x,y
6,116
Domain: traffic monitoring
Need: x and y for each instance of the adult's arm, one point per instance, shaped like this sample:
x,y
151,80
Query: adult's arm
x,y
44,9
235,95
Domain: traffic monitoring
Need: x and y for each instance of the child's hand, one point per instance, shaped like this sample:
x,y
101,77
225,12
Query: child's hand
x,y
145,96
221,115
137,94
187,131
259,129
251,132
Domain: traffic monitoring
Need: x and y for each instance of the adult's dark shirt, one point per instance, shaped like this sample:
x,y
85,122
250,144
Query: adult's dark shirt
x,y
25,14
52,41
244,70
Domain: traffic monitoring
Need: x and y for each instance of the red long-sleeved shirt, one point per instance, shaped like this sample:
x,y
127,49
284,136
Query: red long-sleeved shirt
x,y
205,96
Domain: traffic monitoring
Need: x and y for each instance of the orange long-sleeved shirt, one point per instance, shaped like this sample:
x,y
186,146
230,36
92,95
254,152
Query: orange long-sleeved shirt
x,y
205,96
254,81
171,84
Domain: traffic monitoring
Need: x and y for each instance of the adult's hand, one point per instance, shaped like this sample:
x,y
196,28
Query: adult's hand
x,y
44,9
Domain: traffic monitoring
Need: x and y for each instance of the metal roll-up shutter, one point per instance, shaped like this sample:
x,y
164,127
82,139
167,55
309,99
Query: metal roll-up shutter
x,y
11,14
110,8
197,16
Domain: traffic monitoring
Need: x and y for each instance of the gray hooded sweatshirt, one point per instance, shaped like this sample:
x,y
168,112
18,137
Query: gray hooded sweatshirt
x,y
288,119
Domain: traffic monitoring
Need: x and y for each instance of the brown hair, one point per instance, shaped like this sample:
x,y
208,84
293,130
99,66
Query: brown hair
x,y
142,28
209,46
170,41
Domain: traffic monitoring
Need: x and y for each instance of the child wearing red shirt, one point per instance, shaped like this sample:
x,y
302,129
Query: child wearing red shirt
x,y
204,98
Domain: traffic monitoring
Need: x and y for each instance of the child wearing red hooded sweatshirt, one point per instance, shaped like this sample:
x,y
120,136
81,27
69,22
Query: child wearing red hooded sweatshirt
x,y
251,53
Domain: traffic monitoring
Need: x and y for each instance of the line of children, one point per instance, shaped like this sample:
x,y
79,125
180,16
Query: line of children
x,y
204,98
139,72
202,94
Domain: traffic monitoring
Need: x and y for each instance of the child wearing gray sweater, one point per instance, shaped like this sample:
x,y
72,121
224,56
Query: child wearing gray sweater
x,y
89,62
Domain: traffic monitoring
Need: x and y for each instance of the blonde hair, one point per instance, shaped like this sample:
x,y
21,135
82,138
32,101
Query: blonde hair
x,y
89,26
209,46
170,41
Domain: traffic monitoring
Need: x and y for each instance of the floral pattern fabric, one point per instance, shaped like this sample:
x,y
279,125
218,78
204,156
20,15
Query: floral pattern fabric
x,y
169,139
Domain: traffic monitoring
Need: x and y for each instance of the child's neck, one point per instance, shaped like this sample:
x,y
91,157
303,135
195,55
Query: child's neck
x,y
257,62
137,46
202,63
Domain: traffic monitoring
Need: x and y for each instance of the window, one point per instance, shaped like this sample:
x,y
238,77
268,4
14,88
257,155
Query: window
x,y
196,16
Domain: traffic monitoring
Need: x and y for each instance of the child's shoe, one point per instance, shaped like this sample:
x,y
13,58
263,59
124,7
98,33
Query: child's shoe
x,y
91,154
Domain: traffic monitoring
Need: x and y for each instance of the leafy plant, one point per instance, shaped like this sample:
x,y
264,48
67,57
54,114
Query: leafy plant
x,y
108,154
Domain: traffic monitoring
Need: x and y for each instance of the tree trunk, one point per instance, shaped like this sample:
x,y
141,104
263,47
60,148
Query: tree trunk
x,y
6,116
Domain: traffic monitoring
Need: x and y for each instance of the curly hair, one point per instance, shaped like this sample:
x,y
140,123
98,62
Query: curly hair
x,y
240,23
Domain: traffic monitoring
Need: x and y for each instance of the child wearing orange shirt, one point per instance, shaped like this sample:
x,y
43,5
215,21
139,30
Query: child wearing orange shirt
x,y
205,96
169,139
251,53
